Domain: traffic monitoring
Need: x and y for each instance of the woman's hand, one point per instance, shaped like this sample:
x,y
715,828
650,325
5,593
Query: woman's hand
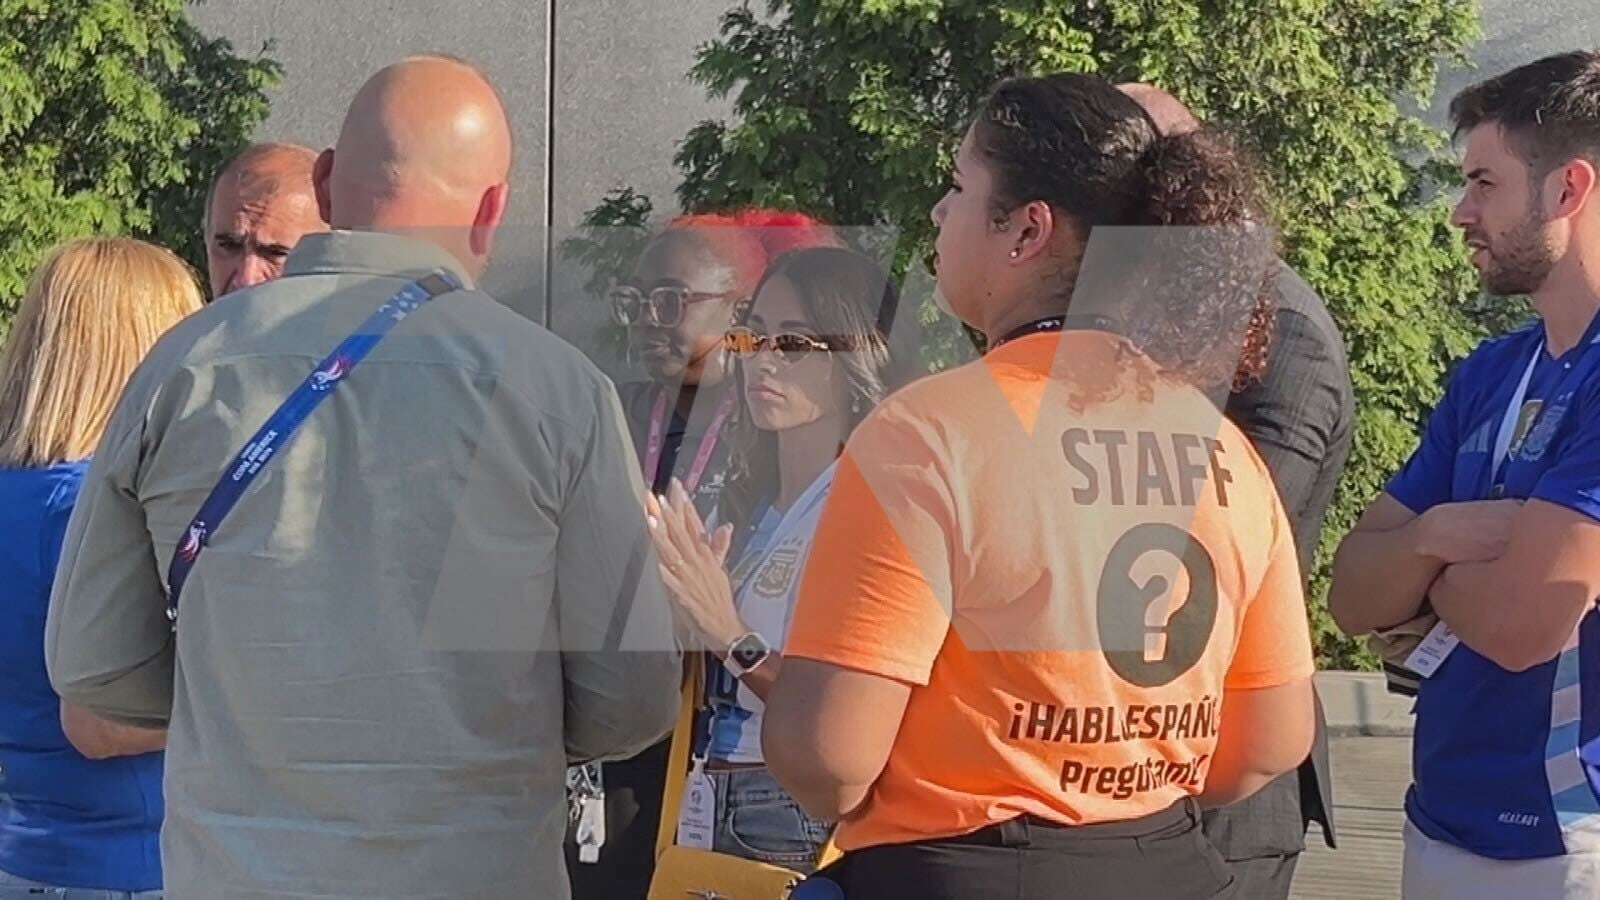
x,y
692,565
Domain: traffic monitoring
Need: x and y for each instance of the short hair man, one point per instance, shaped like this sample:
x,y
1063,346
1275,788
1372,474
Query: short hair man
x,y
390,652
1300,416
1493,525
260,204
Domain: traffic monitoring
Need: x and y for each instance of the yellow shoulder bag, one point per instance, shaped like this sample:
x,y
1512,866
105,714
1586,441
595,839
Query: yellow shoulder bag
x,y
689,873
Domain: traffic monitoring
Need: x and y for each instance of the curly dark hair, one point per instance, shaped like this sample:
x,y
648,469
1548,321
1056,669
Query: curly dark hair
x,y
1195,260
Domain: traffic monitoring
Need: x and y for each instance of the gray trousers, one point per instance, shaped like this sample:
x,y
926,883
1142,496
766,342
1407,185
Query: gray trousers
x,y
1263,878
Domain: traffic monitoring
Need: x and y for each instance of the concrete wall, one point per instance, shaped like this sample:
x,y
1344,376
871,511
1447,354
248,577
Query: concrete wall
x,y
1521,31
327,47
620,98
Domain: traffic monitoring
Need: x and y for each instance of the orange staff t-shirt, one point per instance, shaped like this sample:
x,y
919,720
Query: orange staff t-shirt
x,y
1070,556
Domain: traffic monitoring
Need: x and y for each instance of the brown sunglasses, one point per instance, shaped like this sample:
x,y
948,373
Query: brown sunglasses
x,y
788,347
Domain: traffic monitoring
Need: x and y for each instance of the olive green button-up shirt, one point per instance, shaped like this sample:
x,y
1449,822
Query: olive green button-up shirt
x,y
433,599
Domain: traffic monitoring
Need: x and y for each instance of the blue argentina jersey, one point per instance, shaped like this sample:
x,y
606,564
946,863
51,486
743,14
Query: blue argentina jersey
x,y
1507,765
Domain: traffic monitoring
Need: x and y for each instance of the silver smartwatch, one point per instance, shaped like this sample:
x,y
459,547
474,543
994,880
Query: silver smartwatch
x,y
745,653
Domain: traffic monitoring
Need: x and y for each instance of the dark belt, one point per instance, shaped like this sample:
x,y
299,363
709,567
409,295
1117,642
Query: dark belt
x,y
1024,831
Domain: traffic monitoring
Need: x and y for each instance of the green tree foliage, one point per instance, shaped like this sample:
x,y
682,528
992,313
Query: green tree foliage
x,y
113,115
850,109
611,237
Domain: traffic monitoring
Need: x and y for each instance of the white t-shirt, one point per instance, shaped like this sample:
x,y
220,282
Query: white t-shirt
x,y
766,581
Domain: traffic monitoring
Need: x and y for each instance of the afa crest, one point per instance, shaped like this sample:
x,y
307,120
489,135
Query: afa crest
x,y
777,575
745,566
1544,429
1526,416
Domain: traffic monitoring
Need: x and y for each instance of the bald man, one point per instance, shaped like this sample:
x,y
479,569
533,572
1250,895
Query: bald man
x,y
1300,417
1168,112
392,647
260,204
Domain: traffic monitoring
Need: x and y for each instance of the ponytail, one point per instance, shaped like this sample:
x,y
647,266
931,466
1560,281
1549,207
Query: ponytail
x,y
1199,178
1213,251
1203,278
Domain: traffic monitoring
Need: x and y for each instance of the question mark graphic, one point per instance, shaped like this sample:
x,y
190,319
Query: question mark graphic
x,y
1152,593
1144,569
1154,580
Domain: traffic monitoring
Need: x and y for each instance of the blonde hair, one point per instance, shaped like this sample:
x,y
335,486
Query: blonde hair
x,y
92,310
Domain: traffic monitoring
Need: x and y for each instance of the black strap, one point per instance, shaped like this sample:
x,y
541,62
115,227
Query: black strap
x,y
1078,322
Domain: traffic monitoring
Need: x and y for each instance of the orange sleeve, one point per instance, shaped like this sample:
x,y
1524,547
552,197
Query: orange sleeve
x,y
875,596
1275,641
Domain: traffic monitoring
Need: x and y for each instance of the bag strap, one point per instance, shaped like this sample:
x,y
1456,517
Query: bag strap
x,y
678,755
678,766
288,418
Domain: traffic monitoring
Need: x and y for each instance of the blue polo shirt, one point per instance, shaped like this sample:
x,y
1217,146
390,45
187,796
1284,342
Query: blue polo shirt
x,y
64,820
1507,765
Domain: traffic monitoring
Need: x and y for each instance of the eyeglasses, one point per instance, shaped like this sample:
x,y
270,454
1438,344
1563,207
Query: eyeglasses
x,y
788,347
663,307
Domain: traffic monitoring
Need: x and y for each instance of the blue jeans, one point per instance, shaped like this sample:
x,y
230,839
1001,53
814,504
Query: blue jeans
x,y
14,888
757,819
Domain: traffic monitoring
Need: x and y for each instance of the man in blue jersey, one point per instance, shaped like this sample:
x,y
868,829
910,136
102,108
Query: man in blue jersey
x,y
1493,526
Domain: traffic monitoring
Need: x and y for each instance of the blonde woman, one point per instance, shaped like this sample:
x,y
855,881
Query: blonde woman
x,y
80,797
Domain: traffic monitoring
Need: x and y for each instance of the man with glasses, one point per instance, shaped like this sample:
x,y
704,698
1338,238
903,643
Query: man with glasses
x,y
680,302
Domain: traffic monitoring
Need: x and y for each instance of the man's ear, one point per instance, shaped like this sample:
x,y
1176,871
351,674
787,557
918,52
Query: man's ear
x,y
491,212
1573,188
321,175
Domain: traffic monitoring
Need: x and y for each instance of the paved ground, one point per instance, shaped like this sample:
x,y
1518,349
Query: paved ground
x,y
1370,776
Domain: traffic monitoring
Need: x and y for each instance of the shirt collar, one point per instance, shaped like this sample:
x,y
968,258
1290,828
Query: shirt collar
x,y
371,253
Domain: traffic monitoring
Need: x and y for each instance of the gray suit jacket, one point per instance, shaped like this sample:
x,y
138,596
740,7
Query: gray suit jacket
x,y
1300,417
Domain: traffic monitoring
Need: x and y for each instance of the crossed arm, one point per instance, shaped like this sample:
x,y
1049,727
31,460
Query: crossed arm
x,y
1511,579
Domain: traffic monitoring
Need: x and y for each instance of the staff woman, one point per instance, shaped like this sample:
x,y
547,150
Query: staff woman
x,y
1053,601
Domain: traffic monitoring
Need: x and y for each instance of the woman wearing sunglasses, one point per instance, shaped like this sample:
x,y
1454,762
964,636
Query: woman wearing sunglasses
x,y
685,291
815,359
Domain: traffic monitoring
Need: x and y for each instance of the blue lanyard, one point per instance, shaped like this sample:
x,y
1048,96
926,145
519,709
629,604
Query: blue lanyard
x,y
282,424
